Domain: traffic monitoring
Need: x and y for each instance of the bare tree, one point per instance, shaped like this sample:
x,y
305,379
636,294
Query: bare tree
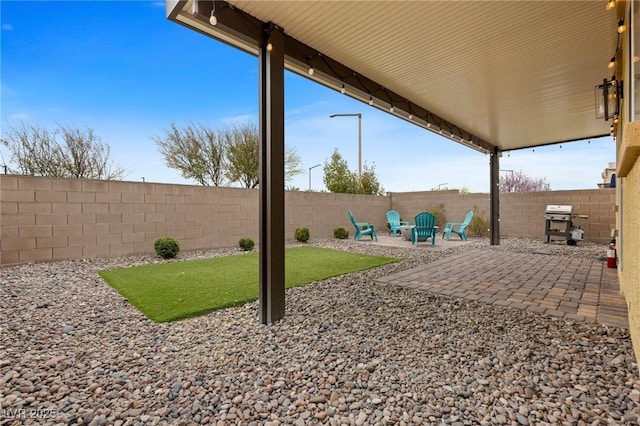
x,y
243,156
65,152
216,157
197,151
85,156
521,182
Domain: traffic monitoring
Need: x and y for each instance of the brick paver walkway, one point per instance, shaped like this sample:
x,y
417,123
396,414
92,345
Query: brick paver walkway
x,y
575,289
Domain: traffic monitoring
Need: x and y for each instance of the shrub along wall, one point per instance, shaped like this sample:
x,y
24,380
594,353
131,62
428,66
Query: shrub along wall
x,y
52,218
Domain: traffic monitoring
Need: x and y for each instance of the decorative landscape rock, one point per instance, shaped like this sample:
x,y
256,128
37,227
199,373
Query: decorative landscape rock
x,y
348,352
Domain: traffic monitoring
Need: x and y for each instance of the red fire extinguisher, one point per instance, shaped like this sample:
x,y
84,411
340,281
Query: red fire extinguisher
x,y
611,256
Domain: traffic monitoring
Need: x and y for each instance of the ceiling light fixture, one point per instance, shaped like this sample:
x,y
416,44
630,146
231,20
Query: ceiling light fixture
x,y
212,19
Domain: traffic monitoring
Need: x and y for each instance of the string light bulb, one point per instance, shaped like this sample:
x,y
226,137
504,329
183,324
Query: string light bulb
x,y
612,62
311,71
391,109
610,4
621,26
370,100
343,90
615,119
269,46
212,19
410,116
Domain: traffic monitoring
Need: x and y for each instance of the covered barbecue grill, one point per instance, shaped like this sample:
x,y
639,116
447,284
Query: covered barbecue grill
x,y
559,223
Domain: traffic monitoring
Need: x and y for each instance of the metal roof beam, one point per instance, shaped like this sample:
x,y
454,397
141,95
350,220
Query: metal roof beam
x,y
238,28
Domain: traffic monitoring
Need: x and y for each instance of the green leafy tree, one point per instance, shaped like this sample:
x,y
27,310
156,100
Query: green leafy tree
x,y
66,151
369,183
337,176
243,156
197,152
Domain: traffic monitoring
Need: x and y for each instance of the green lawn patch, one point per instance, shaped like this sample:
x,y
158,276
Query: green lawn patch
x,y
176,290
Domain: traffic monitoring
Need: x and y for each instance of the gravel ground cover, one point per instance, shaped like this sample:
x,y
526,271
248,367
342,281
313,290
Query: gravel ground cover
x,y
349,351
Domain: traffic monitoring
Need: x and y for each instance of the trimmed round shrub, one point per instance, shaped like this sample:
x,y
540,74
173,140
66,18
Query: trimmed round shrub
x,y
341,233
302,234
166,248
246,244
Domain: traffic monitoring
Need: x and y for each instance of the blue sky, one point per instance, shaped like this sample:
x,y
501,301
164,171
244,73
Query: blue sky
x,y
123,70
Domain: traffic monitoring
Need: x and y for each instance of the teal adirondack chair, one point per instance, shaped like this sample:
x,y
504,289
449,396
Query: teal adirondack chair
x,y
425,228
363,228
393,219
458,228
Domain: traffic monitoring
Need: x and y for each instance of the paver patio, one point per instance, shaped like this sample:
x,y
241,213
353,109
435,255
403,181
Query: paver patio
x,y
570,288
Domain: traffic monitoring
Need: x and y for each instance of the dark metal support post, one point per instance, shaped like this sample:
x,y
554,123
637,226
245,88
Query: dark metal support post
x,y
494,194
272,301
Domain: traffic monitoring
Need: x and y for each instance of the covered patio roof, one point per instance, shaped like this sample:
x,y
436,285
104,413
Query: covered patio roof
x,y
492,75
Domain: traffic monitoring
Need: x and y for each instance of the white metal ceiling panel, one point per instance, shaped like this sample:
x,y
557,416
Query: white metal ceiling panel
x,y
515,73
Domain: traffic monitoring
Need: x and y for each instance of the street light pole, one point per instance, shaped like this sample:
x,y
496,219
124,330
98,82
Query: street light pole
x,y
359,115
312,167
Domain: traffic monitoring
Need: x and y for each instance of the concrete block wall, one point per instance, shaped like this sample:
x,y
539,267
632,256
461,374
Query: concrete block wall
x,y
50,218
46,219
322,212
409,204
522,214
